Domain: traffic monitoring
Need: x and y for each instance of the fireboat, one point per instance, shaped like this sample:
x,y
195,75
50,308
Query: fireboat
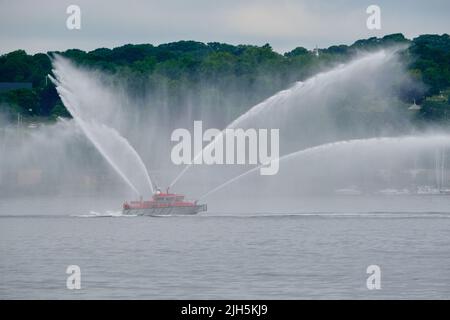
x,y
163,204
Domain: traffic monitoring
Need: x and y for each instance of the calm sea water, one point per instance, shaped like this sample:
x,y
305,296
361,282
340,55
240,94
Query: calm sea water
x,y
311,255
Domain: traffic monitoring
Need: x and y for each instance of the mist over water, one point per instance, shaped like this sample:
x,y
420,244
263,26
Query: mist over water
x,y
341,129
375,153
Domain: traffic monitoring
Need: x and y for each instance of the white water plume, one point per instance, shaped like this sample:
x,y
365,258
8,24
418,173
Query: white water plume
x,y
330,106
74,88
394,146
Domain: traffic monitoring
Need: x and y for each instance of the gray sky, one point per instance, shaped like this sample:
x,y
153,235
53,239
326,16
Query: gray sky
x,y
40,25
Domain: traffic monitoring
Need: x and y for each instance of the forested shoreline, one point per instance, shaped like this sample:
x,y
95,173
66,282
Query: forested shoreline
x,y
189,68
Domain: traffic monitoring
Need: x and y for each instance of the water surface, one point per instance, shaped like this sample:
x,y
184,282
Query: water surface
x,y
311,255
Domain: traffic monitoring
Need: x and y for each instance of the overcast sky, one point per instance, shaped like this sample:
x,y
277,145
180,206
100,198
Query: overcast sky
x,y
40,25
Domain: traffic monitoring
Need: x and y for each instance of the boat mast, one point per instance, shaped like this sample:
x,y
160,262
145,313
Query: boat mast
x,y
442,168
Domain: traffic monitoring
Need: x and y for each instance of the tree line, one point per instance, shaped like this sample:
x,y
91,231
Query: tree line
x,y
254,72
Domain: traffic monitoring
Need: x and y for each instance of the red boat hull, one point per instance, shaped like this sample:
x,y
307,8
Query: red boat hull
x,y
166,211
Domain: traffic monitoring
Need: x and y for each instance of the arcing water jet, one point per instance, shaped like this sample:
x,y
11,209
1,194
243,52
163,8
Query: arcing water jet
x,y
317,95
115,148
398,144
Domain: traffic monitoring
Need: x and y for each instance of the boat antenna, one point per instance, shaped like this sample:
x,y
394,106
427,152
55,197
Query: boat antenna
x,y
155,183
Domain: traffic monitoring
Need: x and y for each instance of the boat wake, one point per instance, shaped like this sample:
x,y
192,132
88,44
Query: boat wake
x,y
369,214
107,214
